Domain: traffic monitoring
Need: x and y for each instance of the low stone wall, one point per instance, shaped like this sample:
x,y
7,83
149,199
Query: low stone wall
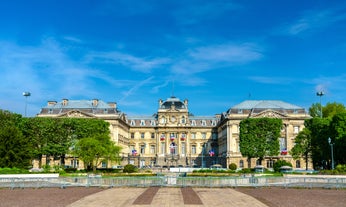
x,y
50,175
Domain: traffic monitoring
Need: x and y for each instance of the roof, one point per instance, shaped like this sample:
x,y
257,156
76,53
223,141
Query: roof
x,y
173,101
265,104
79,104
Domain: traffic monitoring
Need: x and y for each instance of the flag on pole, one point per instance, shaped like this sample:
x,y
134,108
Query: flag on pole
x,y
134,152
211,153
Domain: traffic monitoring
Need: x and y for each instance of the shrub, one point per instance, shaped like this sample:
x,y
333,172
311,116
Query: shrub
x,y
129,168
232,166
279,164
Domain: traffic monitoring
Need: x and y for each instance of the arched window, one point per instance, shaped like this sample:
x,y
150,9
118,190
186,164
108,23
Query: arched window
x,y
183,121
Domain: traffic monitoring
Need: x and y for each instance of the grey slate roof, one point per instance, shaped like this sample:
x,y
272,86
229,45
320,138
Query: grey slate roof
x,y
79,104
265,104
173,101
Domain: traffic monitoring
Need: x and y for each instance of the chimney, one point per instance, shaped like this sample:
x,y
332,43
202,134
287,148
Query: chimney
x,y
64,102
95,102
112,104
51,103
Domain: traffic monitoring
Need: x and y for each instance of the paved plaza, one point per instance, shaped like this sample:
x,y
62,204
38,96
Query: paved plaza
x,y
168,197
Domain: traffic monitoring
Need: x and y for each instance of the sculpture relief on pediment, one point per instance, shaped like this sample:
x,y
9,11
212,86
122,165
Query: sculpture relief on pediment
x,y
75,114
269,114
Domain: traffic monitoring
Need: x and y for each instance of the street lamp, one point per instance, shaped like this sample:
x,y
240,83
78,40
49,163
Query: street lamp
x,y
26,94
320,94
331,150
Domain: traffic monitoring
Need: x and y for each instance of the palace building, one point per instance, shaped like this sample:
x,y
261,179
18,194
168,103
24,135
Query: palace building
x,y
175,137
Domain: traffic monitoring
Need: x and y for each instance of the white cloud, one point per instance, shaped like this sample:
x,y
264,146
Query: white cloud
x,y
313,20
144,65
212,57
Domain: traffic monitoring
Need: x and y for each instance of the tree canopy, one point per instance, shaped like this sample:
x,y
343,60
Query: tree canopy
x,y
14,148
93,150
259,137
302,147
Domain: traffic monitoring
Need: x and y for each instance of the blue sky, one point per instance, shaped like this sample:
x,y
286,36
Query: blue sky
x,y
215,53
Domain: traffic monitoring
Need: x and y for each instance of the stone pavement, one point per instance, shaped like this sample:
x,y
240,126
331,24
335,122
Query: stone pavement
x,y
168,197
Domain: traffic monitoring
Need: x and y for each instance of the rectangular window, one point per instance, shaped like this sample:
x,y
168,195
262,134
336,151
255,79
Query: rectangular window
x,y
204,135
104,164
142,149
193,149
152,149
296,129
282,142
142,135
163,148
152,135
270,163
183,149
193,135
132,135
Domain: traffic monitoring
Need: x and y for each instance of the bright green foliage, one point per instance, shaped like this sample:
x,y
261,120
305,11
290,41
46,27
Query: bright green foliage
x,y
259,137
302,147
14,148
279,164
56,136
329,110
332,109
319,129
94,149
129,168
338,137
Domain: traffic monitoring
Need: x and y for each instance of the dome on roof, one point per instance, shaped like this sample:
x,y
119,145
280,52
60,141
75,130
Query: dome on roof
x,y
173,102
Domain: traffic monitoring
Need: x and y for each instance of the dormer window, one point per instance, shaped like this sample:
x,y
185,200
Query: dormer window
x,y
133,122
142,123
213,122
193,123
152,122
204,123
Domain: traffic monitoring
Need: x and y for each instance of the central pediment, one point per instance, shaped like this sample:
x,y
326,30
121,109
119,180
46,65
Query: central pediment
x,y
268,114
76,114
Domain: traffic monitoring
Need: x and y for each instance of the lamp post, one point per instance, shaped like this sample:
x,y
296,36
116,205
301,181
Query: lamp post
x,y
331,150
26,94
320,94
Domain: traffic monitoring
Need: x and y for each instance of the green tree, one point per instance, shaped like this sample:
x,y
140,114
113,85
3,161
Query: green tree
x,y
302,147
95,149
14,148
259,137
332,109
320,132
338,137
329,110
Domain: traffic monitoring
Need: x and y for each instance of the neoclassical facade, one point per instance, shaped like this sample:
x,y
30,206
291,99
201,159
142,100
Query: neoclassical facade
x,y
173,136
